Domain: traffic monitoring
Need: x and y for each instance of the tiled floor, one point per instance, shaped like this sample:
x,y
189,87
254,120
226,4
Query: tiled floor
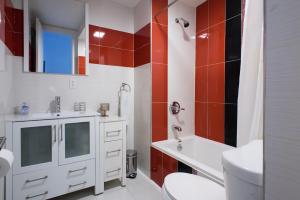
x,y
137,189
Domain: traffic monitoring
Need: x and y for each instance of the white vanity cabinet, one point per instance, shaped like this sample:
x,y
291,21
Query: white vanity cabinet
x,y
112,148
52,156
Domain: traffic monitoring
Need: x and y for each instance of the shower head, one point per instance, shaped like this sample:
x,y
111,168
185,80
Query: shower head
x,y
185,22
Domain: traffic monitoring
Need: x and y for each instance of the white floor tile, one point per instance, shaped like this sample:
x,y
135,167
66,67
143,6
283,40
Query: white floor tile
x,y
137,189
142,189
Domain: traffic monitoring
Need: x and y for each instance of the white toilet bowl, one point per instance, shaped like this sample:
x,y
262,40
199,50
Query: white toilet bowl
x,y
183,186
243,174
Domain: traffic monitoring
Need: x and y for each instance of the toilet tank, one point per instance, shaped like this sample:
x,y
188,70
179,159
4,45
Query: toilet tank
x,y
243,172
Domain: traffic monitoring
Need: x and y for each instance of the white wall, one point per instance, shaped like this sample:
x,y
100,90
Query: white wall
x,y
142,116
142,95
181,69
142,14
5,94
101,86
282,102
111,15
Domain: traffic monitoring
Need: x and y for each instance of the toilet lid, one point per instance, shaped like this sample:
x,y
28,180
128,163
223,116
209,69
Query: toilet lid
x,y
183,186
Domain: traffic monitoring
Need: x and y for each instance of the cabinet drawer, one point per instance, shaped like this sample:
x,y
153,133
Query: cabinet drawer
x,y
113,131
77,176
112,174
113,160
77,170
36,185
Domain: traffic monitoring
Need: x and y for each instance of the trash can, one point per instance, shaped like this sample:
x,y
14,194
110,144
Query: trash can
x,y
131,163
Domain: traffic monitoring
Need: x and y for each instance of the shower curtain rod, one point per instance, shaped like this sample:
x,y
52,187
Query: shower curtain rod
x,y
169,5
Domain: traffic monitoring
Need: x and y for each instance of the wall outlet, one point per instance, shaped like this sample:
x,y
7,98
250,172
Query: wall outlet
x,y
73,84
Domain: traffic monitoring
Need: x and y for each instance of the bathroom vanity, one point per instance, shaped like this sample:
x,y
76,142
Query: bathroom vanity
x,y
56,154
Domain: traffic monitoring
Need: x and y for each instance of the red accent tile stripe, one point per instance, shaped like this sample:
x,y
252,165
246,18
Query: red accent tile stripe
x,y
160,15
159,121
159,43
159,62
142,46
111,47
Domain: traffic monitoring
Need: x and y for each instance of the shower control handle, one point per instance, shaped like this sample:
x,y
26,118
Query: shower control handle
x,y
175,108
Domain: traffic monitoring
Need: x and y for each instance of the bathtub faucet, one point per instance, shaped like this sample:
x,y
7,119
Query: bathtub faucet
x,y
177,129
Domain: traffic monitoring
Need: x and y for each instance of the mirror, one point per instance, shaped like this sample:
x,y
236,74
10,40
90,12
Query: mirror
x,y
55,37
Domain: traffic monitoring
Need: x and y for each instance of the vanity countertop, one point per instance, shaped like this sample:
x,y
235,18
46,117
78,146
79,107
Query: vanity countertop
x,y
62,115
49,116
111,119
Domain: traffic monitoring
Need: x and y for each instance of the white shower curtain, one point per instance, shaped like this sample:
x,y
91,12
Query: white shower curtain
x,y
250,100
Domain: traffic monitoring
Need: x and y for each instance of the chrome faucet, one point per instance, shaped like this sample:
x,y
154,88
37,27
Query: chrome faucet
x,y
178,129
57,104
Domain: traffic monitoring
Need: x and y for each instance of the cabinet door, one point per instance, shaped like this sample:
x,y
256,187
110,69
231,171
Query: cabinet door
x,y
35,145
76,140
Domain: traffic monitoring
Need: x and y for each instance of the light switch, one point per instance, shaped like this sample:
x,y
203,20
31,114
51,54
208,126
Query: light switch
x,y
73,84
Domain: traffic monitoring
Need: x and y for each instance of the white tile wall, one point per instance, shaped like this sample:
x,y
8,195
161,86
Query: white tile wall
x,y
142,116
282,114
101,86
142,14
111,15
5,93
181,68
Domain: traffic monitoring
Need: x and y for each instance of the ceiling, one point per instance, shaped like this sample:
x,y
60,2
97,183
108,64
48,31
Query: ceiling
x,y
133,3
128,3
193,3
62,13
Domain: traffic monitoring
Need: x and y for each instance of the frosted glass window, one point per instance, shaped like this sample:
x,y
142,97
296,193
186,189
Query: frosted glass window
x,y
36,145
77,139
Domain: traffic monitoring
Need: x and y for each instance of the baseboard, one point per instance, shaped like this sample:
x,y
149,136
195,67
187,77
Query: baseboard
x,y
149,180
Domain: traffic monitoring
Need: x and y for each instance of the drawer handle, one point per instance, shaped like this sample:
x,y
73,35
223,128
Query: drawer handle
x,y
116,170
83,183
38,195
113,133
38,179
116,151
61,133
76,170
54,130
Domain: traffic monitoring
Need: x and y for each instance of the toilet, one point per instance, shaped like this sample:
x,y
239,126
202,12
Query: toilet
x,y
243,176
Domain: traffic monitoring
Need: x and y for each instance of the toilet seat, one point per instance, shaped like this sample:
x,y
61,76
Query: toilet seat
x,y
183,186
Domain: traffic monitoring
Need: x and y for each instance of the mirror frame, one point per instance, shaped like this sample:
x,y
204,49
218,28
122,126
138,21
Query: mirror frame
x,y
26,40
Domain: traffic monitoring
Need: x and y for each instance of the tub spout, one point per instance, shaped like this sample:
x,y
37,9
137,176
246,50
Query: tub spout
x,y
178,128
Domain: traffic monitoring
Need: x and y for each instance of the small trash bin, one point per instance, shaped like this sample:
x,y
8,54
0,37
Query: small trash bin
x,y
131,163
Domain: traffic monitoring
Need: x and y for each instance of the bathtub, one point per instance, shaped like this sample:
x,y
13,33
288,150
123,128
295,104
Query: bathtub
x,y
201,154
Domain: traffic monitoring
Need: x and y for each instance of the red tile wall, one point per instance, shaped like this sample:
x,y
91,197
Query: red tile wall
x,y
142,46
11,27
210,72
161,166
115,48
159,70
211,67
81,65
120,48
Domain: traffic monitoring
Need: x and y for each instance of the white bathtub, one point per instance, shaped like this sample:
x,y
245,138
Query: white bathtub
x,y
201,154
